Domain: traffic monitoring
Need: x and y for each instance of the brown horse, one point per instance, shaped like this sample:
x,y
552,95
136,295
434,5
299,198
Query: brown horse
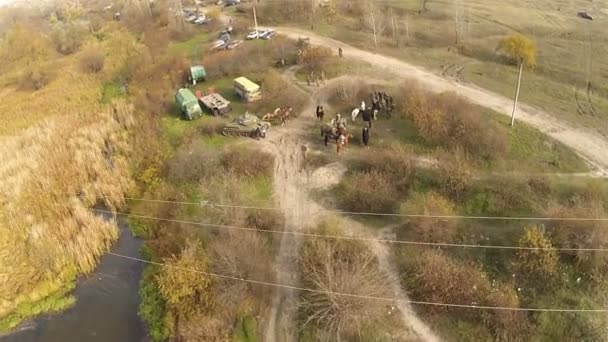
x,y
342,142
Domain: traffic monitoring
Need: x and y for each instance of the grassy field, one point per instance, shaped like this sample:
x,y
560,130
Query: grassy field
x,y
563,40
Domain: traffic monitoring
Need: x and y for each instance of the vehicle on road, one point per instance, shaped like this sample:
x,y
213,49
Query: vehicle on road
x,y
269,34
584,15
200,20
188,104
256,34
215,103
247,125
246,89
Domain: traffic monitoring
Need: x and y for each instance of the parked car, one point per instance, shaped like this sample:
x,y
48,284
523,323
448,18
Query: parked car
x,y
201,19
232,2
584,15
225,37
191,18
256,34
269,34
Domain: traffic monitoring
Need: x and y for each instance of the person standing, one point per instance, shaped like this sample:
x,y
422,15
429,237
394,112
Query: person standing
x,y
367,118
340,52
365,136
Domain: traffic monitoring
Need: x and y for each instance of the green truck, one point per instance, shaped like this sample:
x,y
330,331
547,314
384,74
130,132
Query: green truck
x,y
188,104
197,73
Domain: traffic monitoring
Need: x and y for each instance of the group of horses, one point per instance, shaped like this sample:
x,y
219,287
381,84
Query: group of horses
x,y
281,113
381,103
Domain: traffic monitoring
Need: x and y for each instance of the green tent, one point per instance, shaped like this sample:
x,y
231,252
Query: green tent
x,y
197,73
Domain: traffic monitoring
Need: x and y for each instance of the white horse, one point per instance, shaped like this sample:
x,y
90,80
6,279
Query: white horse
x,y
354,113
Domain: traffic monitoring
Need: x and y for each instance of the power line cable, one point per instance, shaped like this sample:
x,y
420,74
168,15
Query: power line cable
x,y
351,238
466,217
352,295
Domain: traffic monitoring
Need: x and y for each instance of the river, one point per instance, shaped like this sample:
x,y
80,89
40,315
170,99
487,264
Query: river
x,y
106,304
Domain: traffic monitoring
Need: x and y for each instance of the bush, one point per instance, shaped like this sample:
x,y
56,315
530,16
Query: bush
x,y
192,164
92,60
246,162
581,234
396,163
368,191
315,58
449,121
466,283
455,174
341,266
431,229
278,93
36,77
537,267
68,37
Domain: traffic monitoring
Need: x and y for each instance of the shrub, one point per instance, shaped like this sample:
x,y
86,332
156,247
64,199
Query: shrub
x,y
36,77
315,58
246,162
449,121
536,266
580,234
454,171
192,164
431,229
368,191
341,266
465,283
92,60
68,36
396,163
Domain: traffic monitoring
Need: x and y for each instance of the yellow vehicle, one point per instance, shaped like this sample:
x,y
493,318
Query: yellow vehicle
x,y
247,90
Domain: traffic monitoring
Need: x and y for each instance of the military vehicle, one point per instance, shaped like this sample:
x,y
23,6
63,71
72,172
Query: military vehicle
x,y
247,125
215,103
188,104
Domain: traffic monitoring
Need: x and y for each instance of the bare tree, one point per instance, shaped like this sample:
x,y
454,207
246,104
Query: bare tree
x,y
374,19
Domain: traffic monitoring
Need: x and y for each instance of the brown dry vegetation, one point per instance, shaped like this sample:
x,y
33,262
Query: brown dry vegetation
x,y
346,267
436,277
78,150
450,121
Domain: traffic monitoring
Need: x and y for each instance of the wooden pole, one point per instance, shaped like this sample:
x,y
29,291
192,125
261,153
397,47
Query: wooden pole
x,y
255,20
521,68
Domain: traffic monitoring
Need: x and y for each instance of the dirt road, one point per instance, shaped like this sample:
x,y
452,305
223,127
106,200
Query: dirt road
x,y
292,186
590,145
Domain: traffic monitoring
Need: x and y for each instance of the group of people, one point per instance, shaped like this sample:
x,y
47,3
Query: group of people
x,y
382,101
318,80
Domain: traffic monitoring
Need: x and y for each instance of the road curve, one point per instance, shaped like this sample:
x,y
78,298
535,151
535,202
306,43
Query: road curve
x,y
589,145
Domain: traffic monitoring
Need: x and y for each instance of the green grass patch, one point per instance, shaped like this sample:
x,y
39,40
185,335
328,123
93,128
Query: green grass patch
x,y
111,90
194,47
152,305
246,330
259,188
56,302
537,151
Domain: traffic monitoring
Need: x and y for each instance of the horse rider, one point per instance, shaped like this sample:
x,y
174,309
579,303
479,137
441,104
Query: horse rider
x,y
320,113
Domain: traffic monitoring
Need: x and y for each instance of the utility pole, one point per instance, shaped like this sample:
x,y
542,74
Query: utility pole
x,y
180,14
521,68
393,24
255,20
407,29
312,15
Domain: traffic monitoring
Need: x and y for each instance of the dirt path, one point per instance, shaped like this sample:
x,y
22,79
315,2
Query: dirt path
x,y
590,145
292,185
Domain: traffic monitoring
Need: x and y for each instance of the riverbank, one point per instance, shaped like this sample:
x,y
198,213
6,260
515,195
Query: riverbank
x,y
106,303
